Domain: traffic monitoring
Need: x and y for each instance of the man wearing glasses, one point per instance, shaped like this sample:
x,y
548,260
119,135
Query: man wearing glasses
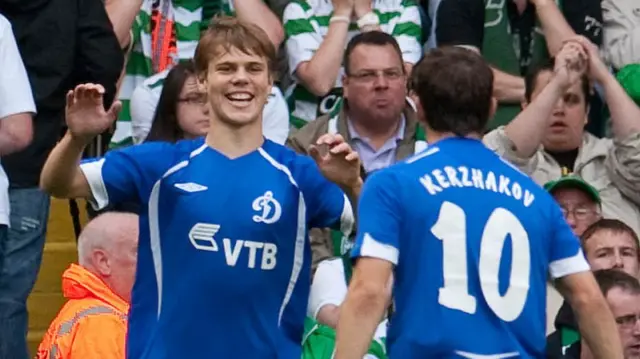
x,y
375,117
580,202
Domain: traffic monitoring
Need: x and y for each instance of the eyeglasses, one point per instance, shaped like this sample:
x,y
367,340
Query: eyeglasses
x,y
580,213
195,99
627,322
370,76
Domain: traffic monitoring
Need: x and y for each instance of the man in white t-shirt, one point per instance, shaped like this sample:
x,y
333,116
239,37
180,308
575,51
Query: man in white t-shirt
x,y
16,114
144,100
328,291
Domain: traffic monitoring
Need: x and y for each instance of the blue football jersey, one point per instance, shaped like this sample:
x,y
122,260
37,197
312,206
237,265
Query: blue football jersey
x,y
223,261
473,241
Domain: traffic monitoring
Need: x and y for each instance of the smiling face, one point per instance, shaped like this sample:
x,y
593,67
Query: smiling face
x,y
238,85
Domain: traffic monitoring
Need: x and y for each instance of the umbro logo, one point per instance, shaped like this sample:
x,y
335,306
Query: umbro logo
x,y
191,187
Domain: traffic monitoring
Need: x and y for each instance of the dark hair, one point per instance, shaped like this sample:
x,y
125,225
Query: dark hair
x,y
607,224
375,38
610,278
455,88
227,32
165,125
548,65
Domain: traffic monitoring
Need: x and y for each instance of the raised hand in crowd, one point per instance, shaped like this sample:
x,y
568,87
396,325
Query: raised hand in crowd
x,y
85,114
598,71
343,7
571,63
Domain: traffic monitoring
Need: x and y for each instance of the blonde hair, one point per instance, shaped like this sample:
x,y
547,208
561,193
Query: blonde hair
x,y
226,33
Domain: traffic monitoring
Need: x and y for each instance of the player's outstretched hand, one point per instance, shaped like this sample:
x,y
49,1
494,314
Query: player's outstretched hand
x,y
85,114
571,63
337,161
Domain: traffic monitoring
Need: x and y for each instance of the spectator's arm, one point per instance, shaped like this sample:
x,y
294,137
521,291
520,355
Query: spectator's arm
x,y
328,291
621,34
122,13
314,60
99,337
16,132
16,100
408,33
257,12
554,25
99,56
585,18
623,162
461,23
527,130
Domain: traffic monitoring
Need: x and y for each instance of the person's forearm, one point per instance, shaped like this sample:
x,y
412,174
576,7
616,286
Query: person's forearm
x,y
507,88
320,73
625,114
555,27
256,12
16,132
360,314
328,315
527,130
122,14
599,329
61,170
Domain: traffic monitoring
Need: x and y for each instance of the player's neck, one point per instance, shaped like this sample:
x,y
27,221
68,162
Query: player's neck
x,y
235,142
433,136
378,134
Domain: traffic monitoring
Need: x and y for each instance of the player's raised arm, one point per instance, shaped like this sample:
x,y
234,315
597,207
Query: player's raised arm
x,y
576,283
376,250
86,118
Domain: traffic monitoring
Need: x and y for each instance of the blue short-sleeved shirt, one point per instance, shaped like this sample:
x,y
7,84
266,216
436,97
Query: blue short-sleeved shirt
x,y
223,261
472,240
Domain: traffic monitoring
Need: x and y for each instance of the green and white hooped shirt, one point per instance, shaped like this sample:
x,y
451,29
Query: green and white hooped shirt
x,y
306,23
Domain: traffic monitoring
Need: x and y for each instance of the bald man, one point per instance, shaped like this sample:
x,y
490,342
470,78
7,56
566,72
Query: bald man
x,y
93,323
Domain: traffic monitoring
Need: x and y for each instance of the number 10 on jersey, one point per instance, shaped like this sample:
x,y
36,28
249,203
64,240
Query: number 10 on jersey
x,y
451,229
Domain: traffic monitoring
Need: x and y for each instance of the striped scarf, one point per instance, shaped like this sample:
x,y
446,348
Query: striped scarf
x,y
165,32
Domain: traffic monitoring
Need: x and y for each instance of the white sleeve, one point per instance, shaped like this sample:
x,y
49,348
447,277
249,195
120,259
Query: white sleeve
x,y
15,90
143,105
275,124
329,286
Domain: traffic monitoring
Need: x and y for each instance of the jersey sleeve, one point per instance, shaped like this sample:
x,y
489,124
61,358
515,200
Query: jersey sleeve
x,y
565,257
327,205
329,286
125,174
379,214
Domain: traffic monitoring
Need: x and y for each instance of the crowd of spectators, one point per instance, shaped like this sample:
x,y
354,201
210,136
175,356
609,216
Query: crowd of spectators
x,y
346,69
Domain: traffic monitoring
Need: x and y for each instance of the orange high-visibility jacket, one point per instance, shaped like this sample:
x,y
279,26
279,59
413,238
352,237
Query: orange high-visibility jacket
x,y
92,324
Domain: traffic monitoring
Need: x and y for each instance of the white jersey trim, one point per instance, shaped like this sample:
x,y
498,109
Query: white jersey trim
x,y
301,234
567,266
93,173
372,248
154,222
